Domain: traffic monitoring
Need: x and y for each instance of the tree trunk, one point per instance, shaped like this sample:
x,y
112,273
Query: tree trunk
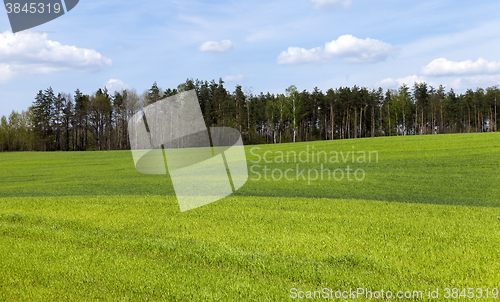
x,y
389,113
496,119
360,122
373,122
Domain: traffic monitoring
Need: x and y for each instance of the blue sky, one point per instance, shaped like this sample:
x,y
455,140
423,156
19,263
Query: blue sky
x,y
261,45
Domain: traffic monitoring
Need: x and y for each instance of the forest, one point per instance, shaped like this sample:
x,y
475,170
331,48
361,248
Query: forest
x,y
81,122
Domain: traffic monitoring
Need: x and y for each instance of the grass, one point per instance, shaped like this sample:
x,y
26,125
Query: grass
x,y
87,226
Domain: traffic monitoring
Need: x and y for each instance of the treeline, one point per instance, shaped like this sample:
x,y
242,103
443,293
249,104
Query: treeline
x,y
99,121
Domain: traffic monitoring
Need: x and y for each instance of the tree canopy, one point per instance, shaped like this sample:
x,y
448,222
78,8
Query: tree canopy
x,y
99,121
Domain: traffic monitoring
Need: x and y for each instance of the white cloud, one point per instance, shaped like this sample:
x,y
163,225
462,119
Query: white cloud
x,y
214,46
395,83
297,55
457,75
319,4
459,84
474,81
347,47
443,67
356,50
32,53
234,78
115,85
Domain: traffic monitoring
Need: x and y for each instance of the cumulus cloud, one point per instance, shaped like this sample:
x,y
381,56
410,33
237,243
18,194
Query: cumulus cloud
x,y
234,78
457,83
32,53
297,55
346,47
115,85
213,46
456,75
395,83
475,81
356,50
328,4
444,67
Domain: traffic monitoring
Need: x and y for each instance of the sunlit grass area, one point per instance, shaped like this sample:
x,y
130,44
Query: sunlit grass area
x,y
88,226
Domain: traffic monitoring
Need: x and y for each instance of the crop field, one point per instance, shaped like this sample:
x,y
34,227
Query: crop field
x,y
422,213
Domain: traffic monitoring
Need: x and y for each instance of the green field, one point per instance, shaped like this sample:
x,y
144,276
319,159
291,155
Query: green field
x,y
87,226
